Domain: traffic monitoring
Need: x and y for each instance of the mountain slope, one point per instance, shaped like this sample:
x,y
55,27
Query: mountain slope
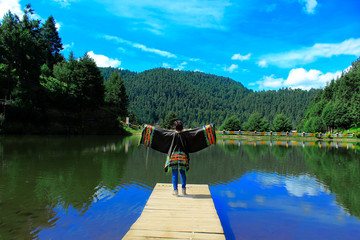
x,y
198,98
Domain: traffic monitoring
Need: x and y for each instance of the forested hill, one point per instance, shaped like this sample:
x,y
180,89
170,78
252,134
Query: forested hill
x,y
337,106
198,98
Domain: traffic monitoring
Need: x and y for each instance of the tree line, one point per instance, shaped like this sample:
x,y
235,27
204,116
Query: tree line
x,y
199,98
51,94
337,106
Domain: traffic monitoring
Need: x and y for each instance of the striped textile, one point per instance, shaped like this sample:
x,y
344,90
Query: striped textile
x,y
177,160
209,134
149,133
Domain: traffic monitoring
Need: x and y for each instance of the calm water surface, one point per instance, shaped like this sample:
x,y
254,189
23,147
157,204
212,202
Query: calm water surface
x,y
96,187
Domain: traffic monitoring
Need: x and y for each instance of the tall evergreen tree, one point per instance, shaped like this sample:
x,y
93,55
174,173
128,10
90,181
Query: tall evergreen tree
x,y
231,124
256,123
355,109
88,83
281,124
51,43
169,120
115,94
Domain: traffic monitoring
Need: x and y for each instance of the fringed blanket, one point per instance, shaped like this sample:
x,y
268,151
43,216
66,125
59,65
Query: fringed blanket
x,y
178,145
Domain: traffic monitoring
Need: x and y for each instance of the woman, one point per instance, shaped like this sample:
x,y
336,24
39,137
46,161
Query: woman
x,y
178,144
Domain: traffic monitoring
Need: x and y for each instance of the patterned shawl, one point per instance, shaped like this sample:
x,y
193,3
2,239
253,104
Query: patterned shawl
x,y
178,145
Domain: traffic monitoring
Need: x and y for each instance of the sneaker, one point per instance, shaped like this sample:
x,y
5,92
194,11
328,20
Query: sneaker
x,y
184,191
175,192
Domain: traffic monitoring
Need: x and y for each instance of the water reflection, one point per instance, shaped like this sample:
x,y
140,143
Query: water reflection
x,y
96,187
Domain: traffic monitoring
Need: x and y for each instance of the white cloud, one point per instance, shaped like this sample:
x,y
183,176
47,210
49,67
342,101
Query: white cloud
x,y
181,66
269,180
166,65
141,46
231,68
270,82
240,57
12,5
309,6
159,14
153,50
194,59
303,185
262,63
64,3
260,200
310,54
237,204
104,61
298,78
58,26
295,185
68,46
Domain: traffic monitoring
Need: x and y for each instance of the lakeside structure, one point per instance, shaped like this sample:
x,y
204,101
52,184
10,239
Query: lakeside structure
x,y
190,216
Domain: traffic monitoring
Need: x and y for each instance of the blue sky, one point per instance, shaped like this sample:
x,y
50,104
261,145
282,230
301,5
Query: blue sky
x,y
264,44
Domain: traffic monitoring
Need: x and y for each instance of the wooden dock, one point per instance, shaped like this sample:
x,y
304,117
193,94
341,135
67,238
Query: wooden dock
x,y
165,216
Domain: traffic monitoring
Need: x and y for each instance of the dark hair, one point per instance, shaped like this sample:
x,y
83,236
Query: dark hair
x,y
178,125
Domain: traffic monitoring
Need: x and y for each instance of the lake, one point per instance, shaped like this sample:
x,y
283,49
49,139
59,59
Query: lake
x,y
95,187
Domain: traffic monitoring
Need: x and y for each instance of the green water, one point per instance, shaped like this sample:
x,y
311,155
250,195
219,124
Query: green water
x,y
95,187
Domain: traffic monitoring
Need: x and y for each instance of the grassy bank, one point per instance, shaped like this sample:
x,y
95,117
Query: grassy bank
x,y
293,138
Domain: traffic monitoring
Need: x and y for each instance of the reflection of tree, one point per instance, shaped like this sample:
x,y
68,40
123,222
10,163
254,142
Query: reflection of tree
x,y
256,153
280,153
230,149
339,171
275,159
39,173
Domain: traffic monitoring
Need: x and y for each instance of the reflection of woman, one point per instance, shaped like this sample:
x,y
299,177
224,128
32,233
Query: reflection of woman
x,y
178,144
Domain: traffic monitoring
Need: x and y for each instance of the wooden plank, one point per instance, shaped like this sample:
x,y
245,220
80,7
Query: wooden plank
x,y
165,216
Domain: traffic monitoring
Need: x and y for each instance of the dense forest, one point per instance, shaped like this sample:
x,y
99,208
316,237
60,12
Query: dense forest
x,y
337,106
42,92
198,98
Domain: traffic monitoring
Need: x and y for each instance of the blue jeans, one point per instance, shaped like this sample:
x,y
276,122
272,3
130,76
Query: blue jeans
x,y
175,177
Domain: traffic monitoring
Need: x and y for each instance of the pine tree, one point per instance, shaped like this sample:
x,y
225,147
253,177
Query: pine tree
x,y
281,123
231,124
169,120
115,94
256,123
51,43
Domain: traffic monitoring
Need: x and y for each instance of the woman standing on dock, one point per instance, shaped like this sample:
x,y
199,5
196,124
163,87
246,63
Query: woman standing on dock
x,y
177,145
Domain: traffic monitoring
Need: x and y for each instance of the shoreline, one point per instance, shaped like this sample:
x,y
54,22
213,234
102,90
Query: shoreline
x,y
247,137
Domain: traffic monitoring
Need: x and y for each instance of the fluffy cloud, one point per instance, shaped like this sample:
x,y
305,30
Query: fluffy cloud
x,y
12,5
310,54
270,82
262,63
298,78
309,6
303,185
240,57
231,68
296,186
181,66
104,61
140,46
